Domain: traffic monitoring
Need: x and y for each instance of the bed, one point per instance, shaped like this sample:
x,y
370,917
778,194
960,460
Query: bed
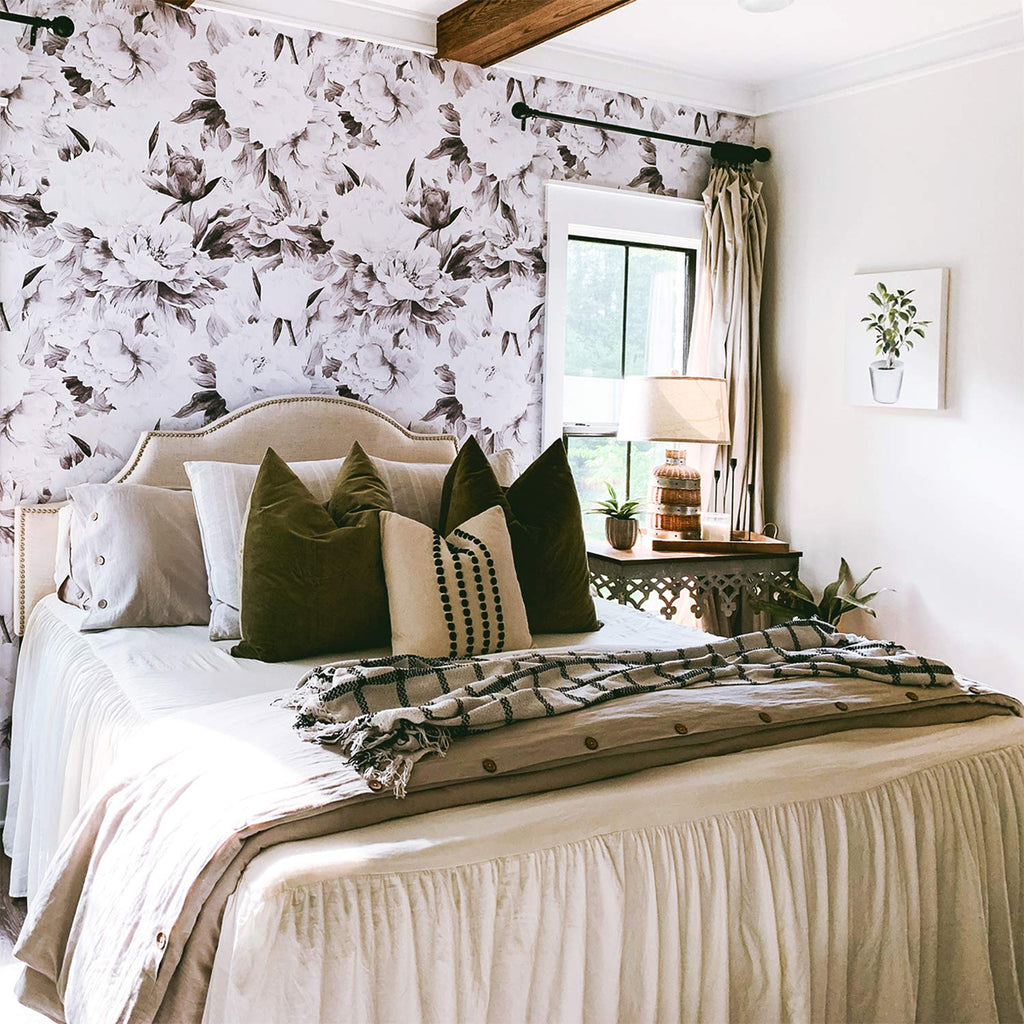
x,y
868,874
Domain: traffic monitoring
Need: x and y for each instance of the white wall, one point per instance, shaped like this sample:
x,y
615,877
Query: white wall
x,y
927,172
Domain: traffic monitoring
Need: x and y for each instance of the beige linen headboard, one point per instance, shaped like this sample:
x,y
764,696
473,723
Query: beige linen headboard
x,y
299,427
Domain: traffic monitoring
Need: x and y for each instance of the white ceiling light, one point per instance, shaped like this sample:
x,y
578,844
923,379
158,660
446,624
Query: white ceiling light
x,y
763,6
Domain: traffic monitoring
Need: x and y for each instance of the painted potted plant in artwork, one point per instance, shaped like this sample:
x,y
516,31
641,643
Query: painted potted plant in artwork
x,y
895,328
620,523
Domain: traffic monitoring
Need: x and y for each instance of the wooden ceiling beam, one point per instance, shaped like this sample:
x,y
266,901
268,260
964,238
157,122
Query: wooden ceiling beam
x,y
485,32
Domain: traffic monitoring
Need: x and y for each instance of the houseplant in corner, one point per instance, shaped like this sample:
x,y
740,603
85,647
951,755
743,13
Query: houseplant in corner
x,y
895,327
620,525
842,595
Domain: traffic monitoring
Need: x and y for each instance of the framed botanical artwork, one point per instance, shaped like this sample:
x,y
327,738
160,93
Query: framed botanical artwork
x,y
896,339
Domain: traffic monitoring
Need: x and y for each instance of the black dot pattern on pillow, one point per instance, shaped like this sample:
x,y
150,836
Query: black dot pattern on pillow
x,y
478,608
455,596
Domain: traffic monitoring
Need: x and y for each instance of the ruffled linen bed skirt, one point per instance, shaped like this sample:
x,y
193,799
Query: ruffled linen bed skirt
x,y
898,902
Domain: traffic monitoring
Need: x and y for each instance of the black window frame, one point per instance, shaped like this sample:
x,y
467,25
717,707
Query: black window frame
x,y
690,298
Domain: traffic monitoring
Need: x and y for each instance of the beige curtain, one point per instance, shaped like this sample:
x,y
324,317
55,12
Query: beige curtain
x,y
726,342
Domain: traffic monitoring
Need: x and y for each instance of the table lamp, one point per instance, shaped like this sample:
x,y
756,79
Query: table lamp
x,y
674,409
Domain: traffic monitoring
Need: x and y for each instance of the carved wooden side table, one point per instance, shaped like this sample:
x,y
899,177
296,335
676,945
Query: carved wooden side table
x,y
633,577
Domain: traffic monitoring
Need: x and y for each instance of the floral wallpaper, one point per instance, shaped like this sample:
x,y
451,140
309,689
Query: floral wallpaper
x,y
197,210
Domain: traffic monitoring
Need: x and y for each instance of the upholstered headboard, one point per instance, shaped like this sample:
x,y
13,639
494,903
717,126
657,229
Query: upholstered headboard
x,y
299,427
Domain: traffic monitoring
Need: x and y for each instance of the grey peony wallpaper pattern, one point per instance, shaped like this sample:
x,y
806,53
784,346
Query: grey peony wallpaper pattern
x,y
197,210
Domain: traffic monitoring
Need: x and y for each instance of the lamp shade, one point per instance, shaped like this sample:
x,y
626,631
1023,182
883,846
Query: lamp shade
x,y
692,409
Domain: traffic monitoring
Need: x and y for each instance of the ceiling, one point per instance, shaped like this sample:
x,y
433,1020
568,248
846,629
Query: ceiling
x,y
712,51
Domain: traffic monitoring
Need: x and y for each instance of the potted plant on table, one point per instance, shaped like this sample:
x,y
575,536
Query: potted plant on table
x,y
895,327
620,524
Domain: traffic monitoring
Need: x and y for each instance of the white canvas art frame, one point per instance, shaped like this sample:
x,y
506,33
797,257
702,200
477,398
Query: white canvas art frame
x,y
918,381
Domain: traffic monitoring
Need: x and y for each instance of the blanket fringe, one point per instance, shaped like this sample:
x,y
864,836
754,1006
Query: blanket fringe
x,y
385,767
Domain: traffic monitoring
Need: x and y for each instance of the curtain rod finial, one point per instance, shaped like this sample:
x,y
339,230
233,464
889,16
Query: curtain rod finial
x,y
739,155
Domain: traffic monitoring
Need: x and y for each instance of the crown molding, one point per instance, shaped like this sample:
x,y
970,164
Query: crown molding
x,y
391,26
382,23
356,19
637,77
980,41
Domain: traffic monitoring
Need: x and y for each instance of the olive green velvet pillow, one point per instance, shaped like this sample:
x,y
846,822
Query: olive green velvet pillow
x,y
542,511
312,574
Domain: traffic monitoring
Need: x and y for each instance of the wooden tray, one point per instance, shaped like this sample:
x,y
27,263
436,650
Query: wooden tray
x,y
742,542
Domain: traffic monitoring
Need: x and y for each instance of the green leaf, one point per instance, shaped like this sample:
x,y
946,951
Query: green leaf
x,y
860,583
852,603
845,575
830,592
779,612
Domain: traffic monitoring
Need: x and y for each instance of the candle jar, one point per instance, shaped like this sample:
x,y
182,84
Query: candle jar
x,y
715,526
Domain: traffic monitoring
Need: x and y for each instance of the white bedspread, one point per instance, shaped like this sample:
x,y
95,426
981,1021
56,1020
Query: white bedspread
x,y
81,696
874,875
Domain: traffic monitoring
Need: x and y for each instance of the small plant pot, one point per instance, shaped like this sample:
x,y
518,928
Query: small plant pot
x,y
886,381
621,533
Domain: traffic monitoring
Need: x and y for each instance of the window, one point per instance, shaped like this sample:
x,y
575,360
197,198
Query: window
x,y
629,309
620,287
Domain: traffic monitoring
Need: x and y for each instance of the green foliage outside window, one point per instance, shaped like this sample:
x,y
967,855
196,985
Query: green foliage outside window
x,y
628,306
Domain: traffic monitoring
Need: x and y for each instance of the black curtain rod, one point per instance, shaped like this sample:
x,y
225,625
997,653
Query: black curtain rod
x,y
59,26
728,152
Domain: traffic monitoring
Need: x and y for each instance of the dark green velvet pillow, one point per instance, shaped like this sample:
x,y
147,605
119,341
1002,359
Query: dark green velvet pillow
x,y
544,520
312,576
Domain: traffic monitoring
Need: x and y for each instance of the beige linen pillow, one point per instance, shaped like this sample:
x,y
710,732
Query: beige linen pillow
x,y
72,582
416,486
456,596
221,493
144,556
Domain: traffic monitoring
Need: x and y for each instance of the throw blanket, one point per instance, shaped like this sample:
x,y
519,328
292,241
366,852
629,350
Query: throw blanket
x,y
127,922
388,713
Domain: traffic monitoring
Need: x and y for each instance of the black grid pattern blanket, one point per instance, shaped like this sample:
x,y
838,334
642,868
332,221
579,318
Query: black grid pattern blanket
x,y
388,713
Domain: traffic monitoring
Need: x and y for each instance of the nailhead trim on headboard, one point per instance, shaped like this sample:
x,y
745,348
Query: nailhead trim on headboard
x,y
21,511
245,410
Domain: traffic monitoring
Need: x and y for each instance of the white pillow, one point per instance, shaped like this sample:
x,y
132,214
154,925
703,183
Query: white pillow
x,y
504,465
456,596
221,492
143,556
416,486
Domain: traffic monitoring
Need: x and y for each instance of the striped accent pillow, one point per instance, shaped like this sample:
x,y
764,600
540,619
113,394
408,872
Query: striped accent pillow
x,y
454,596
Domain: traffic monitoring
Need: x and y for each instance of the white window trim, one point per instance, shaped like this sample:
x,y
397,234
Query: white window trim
x,y
599,212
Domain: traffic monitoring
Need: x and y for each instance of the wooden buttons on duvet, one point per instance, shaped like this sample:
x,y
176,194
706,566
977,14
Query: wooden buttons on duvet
x,y
488,765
